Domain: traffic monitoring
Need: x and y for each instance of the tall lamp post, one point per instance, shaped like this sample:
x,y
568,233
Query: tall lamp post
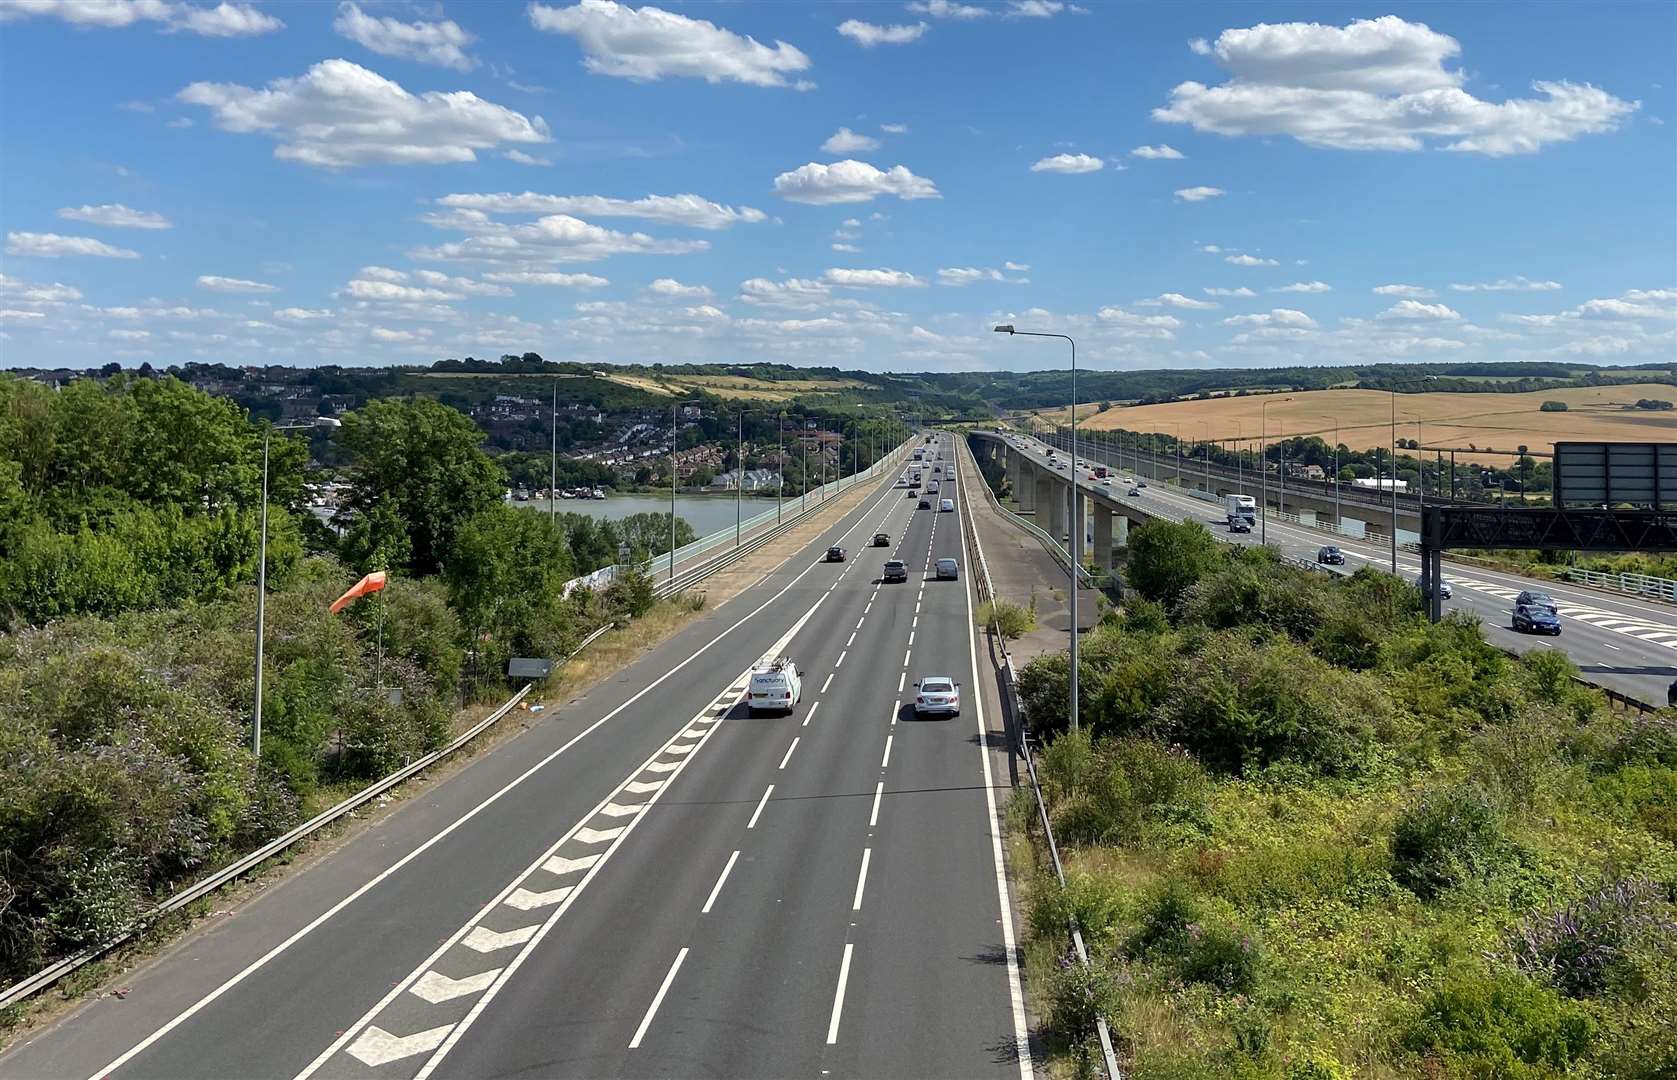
x,y
262,574
1077,542
1263,470
675,433
1394,482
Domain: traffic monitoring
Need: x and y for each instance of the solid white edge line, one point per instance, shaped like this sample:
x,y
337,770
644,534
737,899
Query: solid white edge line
x,y
789,750
657,1000
838,995
764,801
878,791
861,879
717,888
1016,993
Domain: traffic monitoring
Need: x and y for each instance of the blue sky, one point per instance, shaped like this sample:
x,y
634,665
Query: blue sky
x,y
862,185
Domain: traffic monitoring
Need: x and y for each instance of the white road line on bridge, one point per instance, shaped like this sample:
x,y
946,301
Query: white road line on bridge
x,y
810,715
716,889
900,679
838,995
789,750
840,660
764,801
886,760
878,790
861,880
828,683
657,1000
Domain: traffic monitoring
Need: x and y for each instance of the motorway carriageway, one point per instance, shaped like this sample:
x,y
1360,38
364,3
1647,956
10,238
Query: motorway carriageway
x,y
1623,643
650,882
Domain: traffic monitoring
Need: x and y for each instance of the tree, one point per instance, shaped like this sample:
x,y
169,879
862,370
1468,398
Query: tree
x,y
427,461
1166,557
1552,406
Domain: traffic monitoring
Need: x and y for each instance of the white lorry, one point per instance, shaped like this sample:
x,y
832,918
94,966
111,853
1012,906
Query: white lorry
x,y
1242,512
776,686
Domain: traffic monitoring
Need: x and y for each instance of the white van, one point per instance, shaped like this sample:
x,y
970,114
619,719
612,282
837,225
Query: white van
x,y
776,686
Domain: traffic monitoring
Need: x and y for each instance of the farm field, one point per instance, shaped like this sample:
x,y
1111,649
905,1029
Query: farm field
x,y
739,387
1500,422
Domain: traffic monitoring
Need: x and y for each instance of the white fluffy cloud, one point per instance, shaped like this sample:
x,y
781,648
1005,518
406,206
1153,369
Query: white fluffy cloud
x,y
519,157
1658,304
1414,309
554,238
689,210
673,288
301,315
647,44
845,141
957,276
1414,292
233,285
872,279
1249,260
1069,163
791,293
1130,325
31,293
1520,283
850,181
546,277
1284,317
1015,9
1242,291
340,114
868,35
223,20
115,216
1198,194
1016,266
443,43
1305,287
1157,153
52,246
1376,84
948,9
1177,300
894,129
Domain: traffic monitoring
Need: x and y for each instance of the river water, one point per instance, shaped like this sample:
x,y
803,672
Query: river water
x,y
706,513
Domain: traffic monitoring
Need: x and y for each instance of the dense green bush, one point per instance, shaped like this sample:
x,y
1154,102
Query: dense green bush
x,y
1501,1025
1166,557
1240,707
1127,791
1581,947
1447,837
1011,620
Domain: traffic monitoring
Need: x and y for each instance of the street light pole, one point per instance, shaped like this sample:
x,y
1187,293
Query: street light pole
x,y
1394,481
261,607
673,433
553,464
1076,495
780,464
739,474
1338,517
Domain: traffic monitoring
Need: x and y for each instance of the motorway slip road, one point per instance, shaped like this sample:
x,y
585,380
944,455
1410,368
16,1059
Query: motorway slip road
x,y
1622,643
653,883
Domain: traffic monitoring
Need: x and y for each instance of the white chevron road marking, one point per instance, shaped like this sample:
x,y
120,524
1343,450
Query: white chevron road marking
x,y
377,1046
619,810
597,836
437,988
529,900
484,940
561,865
643,787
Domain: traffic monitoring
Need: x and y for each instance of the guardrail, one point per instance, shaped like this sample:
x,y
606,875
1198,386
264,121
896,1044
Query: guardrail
x,y
49,975
1660,588
1010,694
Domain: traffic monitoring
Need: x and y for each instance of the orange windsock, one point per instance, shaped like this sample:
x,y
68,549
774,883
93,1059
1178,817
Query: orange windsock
x,y
372,583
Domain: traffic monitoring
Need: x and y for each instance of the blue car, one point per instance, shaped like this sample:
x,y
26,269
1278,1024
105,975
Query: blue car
x,y
1536,619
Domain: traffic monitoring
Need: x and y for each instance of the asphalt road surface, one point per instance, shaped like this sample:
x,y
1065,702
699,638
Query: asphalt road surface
x,y
651,882
1623,643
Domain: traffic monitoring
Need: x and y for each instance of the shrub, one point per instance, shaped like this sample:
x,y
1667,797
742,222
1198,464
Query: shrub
x,y
1079,996
1651,740
1552,406
1577,947
1132,790
1240,707
1167,557
1095,902
1011,620
1501,1025
1143,616
1224,956
1446,838
1165,918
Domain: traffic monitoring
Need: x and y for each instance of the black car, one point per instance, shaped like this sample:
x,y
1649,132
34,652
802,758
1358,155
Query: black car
x,y
1238,523
1536,619
835,554
894,570
1331,556
881,539
1529,598
925,504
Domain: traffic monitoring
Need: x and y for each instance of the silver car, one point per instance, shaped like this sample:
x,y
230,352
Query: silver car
x,y
948,570
937,695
